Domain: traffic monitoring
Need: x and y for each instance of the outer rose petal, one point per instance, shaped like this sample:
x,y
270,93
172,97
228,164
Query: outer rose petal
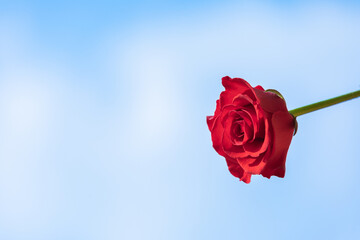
x,y
270,102
216,136
237,171
235,87
252,165
260,88
210,119
283,129
217,129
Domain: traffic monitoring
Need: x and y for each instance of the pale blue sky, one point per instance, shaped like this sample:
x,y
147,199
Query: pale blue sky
x,y
102,119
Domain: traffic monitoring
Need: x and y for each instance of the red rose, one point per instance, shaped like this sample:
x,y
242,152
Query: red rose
x,y
252,129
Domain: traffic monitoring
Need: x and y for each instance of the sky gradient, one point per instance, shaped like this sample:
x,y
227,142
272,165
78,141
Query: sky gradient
x,y
103,108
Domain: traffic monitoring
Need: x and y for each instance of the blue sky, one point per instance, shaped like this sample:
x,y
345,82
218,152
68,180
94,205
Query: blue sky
x,y
103,106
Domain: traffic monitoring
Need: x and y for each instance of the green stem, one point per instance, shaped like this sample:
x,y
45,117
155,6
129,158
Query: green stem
x,y
323,104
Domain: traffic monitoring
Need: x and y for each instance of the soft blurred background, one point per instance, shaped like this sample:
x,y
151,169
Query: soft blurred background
x,y
102,119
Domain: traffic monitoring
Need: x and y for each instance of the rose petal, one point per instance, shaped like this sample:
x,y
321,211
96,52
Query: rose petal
x,y
270,102
230,149
237,171
259,88
216,136
228,125
283,129
252,165
210,119
251,122
260,144
242,100
230,122
228,116
237,133
234,87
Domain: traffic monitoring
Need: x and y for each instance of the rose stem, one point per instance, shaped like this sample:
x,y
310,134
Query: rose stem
x,y
323,104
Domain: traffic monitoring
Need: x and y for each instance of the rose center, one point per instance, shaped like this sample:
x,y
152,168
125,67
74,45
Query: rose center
x,y
238,130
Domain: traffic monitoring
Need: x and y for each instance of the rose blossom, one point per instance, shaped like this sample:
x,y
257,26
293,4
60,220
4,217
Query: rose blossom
x,y
252,129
